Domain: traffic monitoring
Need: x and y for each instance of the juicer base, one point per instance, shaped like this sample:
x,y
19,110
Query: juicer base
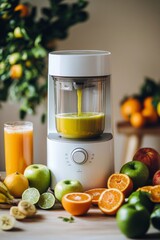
x,y
89,161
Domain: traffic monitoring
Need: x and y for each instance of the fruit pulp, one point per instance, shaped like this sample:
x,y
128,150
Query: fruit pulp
x,y
18,149
80,124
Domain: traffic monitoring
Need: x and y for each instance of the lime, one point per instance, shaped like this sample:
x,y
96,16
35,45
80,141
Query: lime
x,y
31,195
155,218
46,200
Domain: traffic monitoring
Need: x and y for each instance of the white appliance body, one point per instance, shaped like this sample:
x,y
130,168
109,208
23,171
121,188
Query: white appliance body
x,y
91,162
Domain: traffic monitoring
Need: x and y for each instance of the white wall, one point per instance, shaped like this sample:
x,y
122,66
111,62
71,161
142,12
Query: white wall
x,y
130,29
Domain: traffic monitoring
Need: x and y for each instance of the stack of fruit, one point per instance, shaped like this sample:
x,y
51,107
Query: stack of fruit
x,y
132,195
144,108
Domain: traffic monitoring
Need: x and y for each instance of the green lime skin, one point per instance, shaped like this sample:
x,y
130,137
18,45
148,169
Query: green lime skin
x,y
142,198
155,218
137,171
133,220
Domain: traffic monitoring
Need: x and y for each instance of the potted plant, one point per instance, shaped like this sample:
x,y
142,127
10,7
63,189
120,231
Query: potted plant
x,y
24,44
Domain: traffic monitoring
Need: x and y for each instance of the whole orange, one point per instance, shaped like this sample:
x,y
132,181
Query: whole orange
x,y
137,120
150,115
16,71
23,9
130,106
147,103
16,184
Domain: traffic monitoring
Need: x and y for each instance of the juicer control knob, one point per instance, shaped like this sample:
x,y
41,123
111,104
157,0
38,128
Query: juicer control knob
x,y
79,155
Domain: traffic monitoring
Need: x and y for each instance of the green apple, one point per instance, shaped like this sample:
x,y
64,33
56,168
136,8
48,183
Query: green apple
x,y
137,171
39,176
67,186
155,217
142,198
133,220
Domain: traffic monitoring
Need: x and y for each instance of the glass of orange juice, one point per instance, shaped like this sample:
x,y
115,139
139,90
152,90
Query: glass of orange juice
x,y
18,143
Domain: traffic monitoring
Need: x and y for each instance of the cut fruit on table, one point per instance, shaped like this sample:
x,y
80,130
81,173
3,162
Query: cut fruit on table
x,y
7,222
155,194
145,189
77,203
14,211
122,182
46,200
27,208
110,201
32,195
95,194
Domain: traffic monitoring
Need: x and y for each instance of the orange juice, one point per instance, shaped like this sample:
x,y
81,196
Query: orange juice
x,y
87,125
18,140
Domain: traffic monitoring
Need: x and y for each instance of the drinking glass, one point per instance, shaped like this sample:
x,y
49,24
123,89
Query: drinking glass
x,y
18,144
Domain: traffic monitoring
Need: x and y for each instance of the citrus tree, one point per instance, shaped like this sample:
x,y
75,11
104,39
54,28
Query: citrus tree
x,y
24,44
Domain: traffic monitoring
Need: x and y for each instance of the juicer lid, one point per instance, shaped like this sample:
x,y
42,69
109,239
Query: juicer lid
x,y
79,63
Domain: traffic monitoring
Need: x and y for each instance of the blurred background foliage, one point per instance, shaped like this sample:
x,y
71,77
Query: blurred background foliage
x,y
25,41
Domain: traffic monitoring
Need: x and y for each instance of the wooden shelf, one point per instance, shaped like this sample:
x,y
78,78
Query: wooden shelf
x,y
134,138
126,128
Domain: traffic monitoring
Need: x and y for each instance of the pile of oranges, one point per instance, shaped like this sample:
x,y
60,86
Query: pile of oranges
x,y
108,199
139,113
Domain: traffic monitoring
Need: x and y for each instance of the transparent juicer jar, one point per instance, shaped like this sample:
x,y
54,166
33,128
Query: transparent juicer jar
x,y
80,106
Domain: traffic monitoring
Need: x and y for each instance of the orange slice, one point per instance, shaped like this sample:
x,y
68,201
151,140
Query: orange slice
x,y
155,194
122,182
147,188
95,194
77,203
110,201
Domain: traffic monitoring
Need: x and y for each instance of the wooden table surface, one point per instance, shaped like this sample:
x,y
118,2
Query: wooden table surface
x,y
47,225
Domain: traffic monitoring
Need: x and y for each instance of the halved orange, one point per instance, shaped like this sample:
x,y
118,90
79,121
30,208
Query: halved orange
x,y
95,194
147,188
76,203
110,201
122,182
155,194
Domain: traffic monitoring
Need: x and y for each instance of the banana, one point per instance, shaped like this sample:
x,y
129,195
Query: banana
x,y
7,222
27,208
5,191
14,211
3,198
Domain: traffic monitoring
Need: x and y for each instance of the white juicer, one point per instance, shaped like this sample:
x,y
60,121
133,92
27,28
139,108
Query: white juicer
x,y
80,140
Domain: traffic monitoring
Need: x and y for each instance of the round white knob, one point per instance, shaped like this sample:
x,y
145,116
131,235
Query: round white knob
x,y
79,155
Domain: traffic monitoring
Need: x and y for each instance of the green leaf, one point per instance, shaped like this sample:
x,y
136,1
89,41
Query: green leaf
x,y
65,219
38,40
